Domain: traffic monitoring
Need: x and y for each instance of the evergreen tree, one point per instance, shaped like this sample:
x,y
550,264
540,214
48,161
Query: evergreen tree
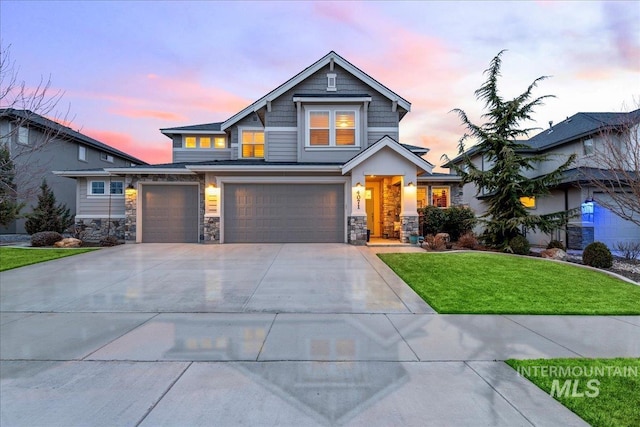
x,y
9,206
504,183
47,215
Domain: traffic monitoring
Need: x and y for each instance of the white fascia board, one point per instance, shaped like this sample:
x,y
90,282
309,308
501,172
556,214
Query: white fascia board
x,y
439,178
194,132
307,72
387,142
253,168
333,100
136,171
80,174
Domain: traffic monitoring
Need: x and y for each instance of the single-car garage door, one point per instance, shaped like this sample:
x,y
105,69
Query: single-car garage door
x,y
169,213
283,213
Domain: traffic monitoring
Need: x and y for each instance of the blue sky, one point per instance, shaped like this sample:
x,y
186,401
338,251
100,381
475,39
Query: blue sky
x,y
130,68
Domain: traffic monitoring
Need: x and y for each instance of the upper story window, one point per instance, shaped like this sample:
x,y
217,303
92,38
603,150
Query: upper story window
x,y
587,146
204,142
21,135
332,127
82,153
252,144
106,157
99,188
440,197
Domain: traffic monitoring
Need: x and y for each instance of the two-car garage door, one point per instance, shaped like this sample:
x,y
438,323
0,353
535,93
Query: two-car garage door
x,y
283,213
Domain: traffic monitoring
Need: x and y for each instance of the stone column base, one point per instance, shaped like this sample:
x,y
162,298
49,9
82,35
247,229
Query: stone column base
x,y
408,225
579,236
211,230
357,230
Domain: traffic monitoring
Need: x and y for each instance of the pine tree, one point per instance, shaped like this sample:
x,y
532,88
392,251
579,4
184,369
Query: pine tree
x,y
47,215
9,206
504,183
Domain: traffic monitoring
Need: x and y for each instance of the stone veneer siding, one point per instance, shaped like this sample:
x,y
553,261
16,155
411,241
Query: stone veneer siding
x,y
211,230
130,203
357,230
408,225
579,236
95,229
391,201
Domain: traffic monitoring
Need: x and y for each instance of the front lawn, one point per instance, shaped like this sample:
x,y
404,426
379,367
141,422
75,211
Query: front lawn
x,y
19,257
603,392
488,283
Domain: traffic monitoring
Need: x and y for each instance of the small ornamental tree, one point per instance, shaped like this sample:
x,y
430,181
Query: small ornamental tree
x,y
504,182
48,215
9,206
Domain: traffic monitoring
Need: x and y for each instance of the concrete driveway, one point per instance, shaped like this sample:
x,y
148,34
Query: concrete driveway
x,y
292,334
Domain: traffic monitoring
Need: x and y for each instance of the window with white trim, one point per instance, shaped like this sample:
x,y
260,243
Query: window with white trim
x,y
204,142
22,136
82,153
220,142
332,127
587,146
98,188
252,144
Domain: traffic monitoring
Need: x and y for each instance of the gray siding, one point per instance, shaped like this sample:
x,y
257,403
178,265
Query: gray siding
x,y
201,155
374,136
98,206
282,146
57,154
177,141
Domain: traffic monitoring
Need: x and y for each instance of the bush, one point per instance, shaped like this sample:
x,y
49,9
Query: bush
x,y
436,243
433,220
519,245
47,215
468,241
109,241
629,250
458,220
45,238
555,244
597,255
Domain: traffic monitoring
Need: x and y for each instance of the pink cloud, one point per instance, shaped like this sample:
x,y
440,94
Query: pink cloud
x,y
154,152
134,113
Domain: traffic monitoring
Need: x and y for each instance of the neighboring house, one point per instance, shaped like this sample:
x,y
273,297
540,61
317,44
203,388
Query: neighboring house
x,y
40,145
581,134
315,160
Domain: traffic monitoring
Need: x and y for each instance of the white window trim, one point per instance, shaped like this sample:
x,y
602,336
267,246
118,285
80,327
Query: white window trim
x,y
242,129
22,131
448,187
331,109
82,153
107,189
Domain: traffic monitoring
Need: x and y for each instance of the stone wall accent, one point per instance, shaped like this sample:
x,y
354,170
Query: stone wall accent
x,y
211,230
579,236
130,211
456,195
95,229
408,225
390,207
357,230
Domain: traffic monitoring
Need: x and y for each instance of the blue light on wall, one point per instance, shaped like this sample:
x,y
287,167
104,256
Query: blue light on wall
x,y
587,210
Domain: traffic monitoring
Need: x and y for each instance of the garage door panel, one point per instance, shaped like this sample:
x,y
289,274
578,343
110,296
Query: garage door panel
x,y
169,213
284,213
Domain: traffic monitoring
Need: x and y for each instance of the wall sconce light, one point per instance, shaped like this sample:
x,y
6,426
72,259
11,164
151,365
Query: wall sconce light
x,y
411,184
130,189
211,190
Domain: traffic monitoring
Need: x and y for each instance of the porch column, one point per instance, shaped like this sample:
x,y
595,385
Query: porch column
x,y
409,223
357,221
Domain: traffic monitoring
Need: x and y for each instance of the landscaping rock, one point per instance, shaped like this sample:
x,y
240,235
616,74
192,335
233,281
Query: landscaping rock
x,y
69,242
554,253
444,237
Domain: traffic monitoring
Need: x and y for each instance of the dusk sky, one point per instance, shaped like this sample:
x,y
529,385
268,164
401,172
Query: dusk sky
x,y
130,68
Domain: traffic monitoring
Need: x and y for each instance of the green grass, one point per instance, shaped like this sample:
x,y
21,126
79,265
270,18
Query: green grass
x,y
487,283
617,402
19,257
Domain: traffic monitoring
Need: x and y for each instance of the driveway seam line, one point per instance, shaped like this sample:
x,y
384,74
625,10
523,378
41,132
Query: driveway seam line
x,y
623,321
402,336
499,394
266,337
244,306
546,338
120,336
146,414
385,281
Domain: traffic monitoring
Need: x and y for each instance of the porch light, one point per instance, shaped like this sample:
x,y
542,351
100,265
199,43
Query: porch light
x,y
411,184
211,190
130,190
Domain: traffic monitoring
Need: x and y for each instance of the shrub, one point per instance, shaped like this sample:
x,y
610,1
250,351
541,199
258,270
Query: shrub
x,y
47,215
629,250
109,241
458,220
436,243
468,241
433,220
519,245
598,255
555,244
45,238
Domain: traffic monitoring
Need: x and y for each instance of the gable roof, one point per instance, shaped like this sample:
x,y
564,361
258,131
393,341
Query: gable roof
x,y
37,120
387,141
304,74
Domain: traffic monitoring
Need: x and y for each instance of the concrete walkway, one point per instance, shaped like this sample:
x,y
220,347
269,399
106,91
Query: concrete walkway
x,y
326,334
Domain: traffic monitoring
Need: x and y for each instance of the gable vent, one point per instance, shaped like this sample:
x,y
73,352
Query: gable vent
x,y
331,82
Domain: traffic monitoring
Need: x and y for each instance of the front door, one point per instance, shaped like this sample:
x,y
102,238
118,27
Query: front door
x,y
372,205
